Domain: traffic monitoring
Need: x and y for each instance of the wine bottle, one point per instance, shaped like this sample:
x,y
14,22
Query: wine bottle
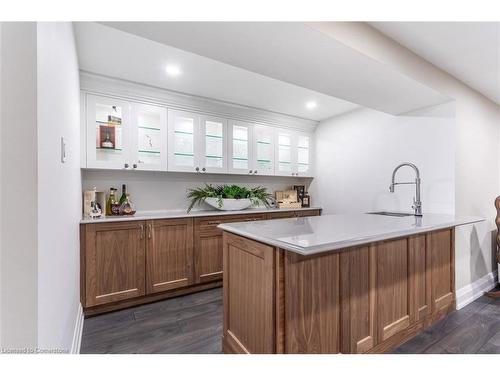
x,y
111,203
124,194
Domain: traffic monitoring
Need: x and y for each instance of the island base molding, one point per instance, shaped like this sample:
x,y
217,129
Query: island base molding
x,y
364,299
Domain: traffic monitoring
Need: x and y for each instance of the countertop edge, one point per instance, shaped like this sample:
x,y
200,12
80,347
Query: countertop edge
x,y
348,243
193,214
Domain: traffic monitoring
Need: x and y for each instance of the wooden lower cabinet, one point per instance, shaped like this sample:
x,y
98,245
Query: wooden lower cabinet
x,y
169,254
132,262
358,300
114,262
208,245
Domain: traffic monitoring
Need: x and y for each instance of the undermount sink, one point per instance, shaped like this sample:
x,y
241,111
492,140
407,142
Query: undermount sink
x,y
385,213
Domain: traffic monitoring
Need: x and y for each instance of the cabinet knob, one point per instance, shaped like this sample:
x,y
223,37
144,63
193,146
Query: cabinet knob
x,y
250,171
255,172
134,166
204,169
126,165
197,169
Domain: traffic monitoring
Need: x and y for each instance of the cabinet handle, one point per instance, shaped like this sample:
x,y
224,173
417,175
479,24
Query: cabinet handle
x,y
203,169
134,166
213,222
197,169
250,171
150,231
251,219
126,165
255,172
142,230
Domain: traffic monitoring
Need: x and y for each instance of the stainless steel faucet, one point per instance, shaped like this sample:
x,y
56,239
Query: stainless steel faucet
x,y
417,204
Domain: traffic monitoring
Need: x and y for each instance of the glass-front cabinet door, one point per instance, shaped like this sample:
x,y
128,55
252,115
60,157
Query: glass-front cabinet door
x,y
149,138
304,147
240,147
108,133
263,150
213,150
285,152
183,138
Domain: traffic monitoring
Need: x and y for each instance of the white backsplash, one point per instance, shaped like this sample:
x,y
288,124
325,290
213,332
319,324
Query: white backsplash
x,y
153,191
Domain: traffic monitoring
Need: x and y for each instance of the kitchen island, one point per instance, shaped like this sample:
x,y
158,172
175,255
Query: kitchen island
x,y
336,283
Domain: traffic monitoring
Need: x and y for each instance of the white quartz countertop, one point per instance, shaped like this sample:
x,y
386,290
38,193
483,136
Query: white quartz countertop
x,y
311,235
151,215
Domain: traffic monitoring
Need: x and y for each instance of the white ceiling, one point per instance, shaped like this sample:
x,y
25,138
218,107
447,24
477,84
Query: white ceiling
x,y
108,51
470,51
295,53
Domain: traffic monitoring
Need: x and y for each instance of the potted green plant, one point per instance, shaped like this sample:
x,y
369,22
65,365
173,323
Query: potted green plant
x,y
228,197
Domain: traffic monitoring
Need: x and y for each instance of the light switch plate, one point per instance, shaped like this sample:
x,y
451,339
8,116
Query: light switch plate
x,y
63,150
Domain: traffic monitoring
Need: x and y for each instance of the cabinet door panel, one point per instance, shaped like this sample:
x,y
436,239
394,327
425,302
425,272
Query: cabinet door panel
x,y
358,283
183,139
249,311
263,150
115,262
420,281
209,257
149,151
393,314
108,132
169,254
312,304
441,248
286,158
213,146
304,154
240,147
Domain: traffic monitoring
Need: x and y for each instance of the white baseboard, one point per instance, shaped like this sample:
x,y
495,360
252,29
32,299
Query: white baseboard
x,y
77,333
473,291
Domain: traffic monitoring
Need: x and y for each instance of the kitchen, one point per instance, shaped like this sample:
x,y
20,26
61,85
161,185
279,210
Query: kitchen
x,y
227,194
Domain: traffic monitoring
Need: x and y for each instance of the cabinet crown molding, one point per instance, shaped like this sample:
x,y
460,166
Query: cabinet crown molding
x,y
103,85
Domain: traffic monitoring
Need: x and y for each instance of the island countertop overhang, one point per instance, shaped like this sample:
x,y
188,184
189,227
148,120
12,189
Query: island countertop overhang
x,y
312,235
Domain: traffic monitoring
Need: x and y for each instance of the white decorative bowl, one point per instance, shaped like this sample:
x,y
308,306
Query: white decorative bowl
x,y
229,204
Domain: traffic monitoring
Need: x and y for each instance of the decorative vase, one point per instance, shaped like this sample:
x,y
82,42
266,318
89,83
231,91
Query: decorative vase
x,y
229,204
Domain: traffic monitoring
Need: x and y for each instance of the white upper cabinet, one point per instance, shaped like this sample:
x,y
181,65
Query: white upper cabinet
x,y
293,153
240,147
213,145
263,150
149,138
129,135
108,133
196,143
183,137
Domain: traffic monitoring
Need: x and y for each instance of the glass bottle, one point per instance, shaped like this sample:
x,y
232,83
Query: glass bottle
x,y
127,207
111,202
124,194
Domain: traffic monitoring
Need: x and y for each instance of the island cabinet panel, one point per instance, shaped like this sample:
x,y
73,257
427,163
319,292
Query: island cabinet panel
x,y
208,245
420,278
441,247
393,313
312,304
114,262
169,254
358,296
248,296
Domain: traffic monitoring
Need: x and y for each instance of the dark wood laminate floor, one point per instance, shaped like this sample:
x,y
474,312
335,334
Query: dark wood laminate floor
x,y
193,324
187,324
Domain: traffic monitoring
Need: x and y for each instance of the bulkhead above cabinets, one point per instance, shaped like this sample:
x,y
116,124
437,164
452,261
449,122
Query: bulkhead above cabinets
x,y
131,135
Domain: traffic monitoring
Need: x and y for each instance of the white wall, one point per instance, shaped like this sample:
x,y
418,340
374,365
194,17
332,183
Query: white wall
x,y
153,191
18,176
357,152
59,188
477,164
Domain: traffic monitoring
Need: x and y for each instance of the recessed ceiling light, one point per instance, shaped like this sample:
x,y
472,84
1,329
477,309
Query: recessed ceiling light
x,y
311,104
173,70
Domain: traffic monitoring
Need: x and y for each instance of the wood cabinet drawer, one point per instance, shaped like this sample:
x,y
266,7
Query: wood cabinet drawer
x,y
210,223
290,214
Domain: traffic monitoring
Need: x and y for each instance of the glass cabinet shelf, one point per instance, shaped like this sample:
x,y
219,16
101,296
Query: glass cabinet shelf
x,y
149,128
